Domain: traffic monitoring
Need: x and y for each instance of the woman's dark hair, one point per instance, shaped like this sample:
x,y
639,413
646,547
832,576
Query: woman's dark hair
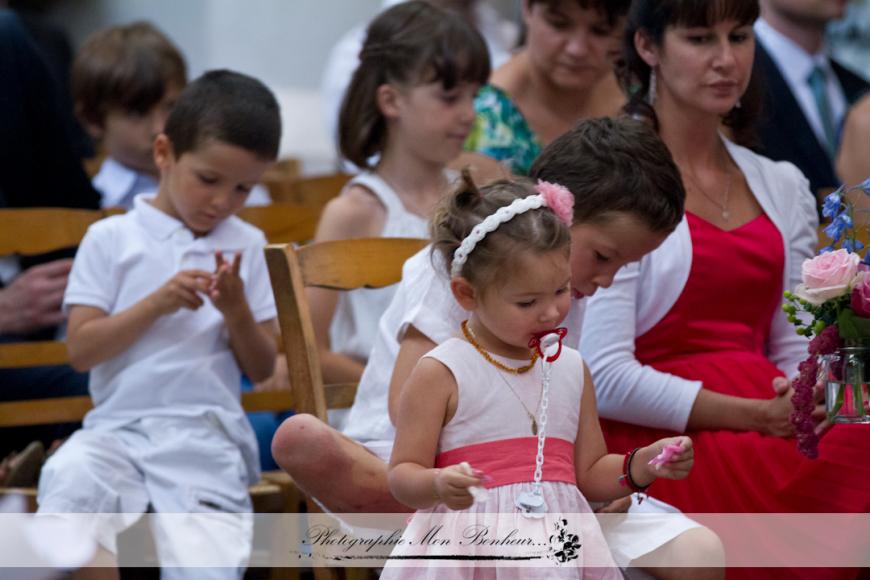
x,y
652,18
411,43
615,166
612,10
536,230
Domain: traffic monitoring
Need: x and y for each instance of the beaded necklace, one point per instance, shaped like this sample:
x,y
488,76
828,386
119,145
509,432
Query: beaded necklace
x,y
469,336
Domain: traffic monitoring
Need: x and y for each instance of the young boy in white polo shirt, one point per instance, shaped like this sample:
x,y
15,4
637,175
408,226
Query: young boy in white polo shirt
x,y
168,304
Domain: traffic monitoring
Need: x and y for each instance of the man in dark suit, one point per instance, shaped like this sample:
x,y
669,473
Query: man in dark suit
x,y
807,93
38,168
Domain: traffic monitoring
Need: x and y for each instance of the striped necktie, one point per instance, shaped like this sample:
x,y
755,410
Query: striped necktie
x,y
818,82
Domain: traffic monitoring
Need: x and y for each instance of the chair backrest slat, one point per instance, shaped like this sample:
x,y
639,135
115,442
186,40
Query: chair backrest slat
x,y
29,231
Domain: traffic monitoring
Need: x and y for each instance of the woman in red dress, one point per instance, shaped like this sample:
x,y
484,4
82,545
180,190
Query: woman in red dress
x,y
692,339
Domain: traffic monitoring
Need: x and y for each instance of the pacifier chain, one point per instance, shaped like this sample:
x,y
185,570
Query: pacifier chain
x,y
549,346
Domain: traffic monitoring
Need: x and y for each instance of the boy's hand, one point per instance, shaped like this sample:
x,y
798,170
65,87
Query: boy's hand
x,y
679,456
182,291
227,291
451,487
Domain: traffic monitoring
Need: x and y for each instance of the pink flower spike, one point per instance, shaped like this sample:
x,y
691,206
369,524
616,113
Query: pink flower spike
x,y
666,455
558,199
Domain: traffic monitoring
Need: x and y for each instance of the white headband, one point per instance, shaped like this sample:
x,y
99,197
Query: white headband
x,y
553,196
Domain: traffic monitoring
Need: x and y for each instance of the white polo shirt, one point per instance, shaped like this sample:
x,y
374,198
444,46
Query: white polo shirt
x,y
182,366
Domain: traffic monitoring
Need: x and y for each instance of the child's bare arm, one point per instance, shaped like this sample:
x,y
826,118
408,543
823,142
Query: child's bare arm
x,y
93,336
598,472
424,408
252,343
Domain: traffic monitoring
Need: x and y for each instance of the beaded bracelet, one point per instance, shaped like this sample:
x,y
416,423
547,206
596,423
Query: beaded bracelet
x,y
625,479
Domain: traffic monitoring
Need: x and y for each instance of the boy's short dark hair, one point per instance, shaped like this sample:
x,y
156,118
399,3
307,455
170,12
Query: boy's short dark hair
x,y
125,67
229,107
615,166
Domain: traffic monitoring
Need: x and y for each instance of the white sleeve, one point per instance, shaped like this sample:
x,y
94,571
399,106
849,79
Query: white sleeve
x,y
785,348
258,288
430,306
627,390
93,280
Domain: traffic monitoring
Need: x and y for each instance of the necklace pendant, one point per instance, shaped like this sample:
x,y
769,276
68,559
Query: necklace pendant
x,y
726,214
531,504
534,426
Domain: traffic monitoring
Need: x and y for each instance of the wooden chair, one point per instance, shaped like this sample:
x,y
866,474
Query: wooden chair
x,y
283,223
336,265
314,192
279,178
33,231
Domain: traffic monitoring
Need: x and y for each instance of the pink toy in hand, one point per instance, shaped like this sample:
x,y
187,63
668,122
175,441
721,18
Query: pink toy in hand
x,y
666,455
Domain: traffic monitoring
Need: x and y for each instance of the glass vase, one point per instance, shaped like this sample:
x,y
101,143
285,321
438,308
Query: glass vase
x,y
846,374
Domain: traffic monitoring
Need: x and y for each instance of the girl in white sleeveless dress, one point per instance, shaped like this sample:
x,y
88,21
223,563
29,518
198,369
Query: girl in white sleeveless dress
x,y
505,406
405,116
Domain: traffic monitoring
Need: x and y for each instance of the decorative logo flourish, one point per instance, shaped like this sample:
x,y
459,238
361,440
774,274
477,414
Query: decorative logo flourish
x,y
564,546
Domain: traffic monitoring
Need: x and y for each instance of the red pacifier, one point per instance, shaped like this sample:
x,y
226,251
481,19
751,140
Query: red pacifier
x,y
548,343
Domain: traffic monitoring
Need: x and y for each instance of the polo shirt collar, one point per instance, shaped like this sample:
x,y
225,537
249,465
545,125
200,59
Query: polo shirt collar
x,y
162,225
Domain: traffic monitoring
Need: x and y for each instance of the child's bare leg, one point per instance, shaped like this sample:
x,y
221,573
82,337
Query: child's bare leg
x,y
342,474
104,566
698,552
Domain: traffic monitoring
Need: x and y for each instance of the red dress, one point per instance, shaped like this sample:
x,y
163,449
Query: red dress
x,y
716,333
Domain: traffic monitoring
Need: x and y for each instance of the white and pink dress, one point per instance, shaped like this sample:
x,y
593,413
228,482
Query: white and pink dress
x,y
492,431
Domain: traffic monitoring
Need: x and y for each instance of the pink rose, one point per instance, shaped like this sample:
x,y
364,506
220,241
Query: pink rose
x,y
828,276
861,297
835,268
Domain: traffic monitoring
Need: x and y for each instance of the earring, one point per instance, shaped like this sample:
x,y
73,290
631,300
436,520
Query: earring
x,y
651,94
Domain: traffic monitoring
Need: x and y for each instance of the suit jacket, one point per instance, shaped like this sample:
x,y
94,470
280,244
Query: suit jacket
x,y
39,166
785,133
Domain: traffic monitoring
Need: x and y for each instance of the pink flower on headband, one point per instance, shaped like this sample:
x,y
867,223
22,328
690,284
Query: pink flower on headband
x,y
558,199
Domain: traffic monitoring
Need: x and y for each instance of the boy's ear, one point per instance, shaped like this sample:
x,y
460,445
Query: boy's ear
x,y
464,293
163,153
645,47
387,98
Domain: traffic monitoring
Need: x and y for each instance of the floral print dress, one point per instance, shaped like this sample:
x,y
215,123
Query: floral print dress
x,y
500,131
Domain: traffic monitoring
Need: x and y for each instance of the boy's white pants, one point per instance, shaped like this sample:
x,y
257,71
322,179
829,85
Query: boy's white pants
x,y
176,465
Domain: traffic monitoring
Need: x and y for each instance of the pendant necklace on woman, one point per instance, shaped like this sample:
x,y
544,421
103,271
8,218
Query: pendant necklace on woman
x,y
722,203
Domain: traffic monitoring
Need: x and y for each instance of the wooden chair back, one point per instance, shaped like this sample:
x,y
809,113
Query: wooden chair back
x,y
336,265
283,223
31,231
314,192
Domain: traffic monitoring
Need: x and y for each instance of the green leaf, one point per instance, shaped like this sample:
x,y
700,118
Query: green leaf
x,y
852,326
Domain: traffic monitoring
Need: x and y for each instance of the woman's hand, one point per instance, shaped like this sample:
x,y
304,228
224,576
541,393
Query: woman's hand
x,y
451,487
678,454
776,412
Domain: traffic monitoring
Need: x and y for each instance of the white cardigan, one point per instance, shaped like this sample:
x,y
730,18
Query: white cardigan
x,y
644,292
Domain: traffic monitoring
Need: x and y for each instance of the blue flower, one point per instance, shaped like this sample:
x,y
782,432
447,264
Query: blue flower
x,y
832,204
827,249
865,185
835,229
853,245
